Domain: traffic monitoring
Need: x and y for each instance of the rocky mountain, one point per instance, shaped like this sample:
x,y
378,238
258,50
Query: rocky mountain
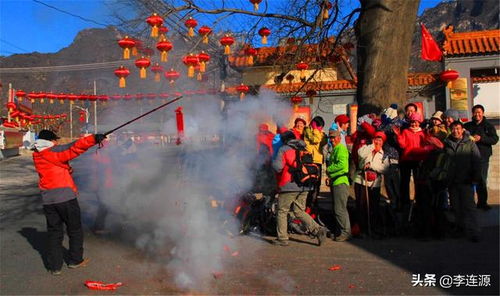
x,y
463,15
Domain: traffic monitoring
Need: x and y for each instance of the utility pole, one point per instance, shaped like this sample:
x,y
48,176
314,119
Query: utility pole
x,y
95,109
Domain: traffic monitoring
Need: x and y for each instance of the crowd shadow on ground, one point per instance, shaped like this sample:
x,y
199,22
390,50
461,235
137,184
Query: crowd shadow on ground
x,y
446,256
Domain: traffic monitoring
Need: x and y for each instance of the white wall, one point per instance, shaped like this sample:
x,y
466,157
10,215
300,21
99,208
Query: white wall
x,y
488,95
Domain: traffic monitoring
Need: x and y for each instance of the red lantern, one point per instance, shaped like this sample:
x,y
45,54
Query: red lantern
x,y
155,21
255,4
172,76
311,94
122,73
20,95
138,46
164,46
204,31
102,98
163,31
157,70
148,52
142,63
190,61
227,41
61,97
127,44
264,32
51,97
72,98
191,24
326,7
32,96
41,96
242,89
203,57
11,106
127,97
448,76
250,52
302,67
296,101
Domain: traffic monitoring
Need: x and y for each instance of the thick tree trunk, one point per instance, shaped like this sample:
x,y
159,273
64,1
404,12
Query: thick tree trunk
x,y
384,33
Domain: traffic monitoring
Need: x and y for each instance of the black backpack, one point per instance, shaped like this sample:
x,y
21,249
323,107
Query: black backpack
x,y
307,172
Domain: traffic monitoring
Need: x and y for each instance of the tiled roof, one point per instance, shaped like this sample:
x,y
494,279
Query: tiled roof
x,y
485,79
414,79
471,43
267,56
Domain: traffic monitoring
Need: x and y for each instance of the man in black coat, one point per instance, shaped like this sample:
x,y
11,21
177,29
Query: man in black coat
x,y
485,136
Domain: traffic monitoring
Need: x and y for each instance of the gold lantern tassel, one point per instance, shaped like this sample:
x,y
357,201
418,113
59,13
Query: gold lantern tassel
x,y
164,56
134,51
51,101
42,100
32,101
191,71
295,107
250,60
122,84
227,50
325,13
20,99
203,67
154,31
264,39
199,76
205,39
191,32
242,96
256,6
126,53
142,73
157,77
61,101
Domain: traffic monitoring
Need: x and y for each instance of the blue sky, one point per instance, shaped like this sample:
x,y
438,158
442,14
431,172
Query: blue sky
x,y
46,26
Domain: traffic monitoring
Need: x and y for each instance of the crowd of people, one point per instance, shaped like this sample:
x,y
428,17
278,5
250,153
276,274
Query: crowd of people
x,y
447,159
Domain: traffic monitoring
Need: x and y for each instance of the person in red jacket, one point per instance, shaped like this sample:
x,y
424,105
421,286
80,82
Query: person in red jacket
x,y
59,193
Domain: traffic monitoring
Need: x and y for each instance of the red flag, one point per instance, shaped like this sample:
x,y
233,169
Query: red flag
x,y
430,49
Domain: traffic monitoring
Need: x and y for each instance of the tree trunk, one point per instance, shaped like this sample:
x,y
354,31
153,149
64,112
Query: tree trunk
x,y
384,33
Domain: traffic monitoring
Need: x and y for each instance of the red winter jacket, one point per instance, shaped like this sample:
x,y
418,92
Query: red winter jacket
x,y
416,145
286,160
56,183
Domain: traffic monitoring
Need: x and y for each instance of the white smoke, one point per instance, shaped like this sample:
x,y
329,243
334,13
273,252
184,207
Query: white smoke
x,y
161,197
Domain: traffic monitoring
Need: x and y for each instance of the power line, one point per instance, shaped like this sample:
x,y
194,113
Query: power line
x,y
64,68
13,45
72,14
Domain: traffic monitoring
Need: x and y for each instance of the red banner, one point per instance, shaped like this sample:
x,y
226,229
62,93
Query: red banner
x,y
430,49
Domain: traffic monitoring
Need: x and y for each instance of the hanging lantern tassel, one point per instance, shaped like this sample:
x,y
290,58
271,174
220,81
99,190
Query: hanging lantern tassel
x,y
142,73
121,83
325,13
157,76
242,96
205,39
126,53
191,32
164,56
134,51
199,76
250,60
264,39
203,67
190,71
227,50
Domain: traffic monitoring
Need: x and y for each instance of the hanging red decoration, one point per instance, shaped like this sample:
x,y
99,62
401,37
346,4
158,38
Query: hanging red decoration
x,y
227,41
326,6
190,61
448,76
32,96
242,89
155,21
163,32
164,46
296,102
255,4
264,32
51,97
302,67
191,23
61,97
72,98
102,98
172,76
203,57
311,94
142,63
179,118
20,95
127,44
138,46
157,70
11,106
122,73
204,31
250,52
41,97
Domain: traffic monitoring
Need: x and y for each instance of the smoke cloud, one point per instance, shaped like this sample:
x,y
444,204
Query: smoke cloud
x,y
162,197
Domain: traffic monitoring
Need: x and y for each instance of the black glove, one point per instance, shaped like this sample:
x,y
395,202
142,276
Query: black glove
x,y
99,138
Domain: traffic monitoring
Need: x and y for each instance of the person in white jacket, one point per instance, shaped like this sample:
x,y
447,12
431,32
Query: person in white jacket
x,y
368,179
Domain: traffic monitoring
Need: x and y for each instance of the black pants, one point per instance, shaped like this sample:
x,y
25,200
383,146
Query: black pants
x,y
67,213
482,187
312,196
406,169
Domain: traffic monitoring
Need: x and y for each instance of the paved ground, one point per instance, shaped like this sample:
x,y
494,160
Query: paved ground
x,y
366,266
